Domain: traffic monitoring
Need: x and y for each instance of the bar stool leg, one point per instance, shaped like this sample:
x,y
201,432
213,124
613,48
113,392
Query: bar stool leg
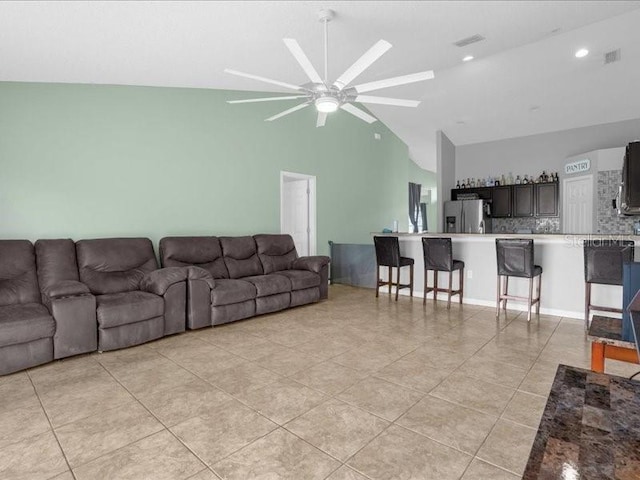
x,y
530,299
587,304
435,285
498,297
450,290
506,291
411,280
390,279
397,282
539,289
377,280
426,285
461,286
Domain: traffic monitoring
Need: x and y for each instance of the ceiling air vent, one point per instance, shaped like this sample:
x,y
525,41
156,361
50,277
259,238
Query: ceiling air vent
x,y
612,56
469,40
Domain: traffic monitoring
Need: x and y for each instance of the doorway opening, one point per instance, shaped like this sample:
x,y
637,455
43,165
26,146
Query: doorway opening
x,y
298,210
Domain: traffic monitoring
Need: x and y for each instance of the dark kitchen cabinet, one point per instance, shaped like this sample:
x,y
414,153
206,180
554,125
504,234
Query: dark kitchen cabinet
x,y
546,198
524,200
501,202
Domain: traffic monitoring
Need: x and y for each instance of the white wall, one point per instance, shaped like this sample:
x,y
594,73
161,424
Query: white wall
x,y
446,160
548,151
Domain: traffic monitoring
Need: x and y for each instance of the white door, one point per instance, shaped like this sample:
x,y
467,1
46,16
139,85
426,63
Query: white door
x,y
577,204
297,211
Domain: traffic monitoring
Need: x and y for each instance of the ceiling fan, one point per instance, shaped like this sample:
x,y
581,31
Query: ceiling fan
x,y
329,97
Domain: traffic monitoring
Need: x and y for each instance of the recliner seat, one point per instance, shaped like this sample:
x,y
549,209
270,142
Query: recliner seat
x,y
26,328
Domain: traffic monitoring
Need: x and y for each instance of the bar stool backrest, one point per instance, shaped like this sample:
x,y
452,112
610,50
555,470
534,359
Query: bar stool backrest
x,y
437,254
515,257
387,251
603,260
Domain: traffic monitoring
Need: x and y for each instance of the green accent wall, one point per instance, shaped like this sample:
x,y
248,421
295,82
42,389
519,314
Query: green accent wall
x,y
87,161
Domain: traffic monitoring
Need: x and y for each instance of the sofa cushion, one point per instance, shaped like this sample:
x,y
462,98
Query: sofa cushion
x,y
229,291
276,252
240,256
269,284
113,265
25,322
56,260
18,281
117,309
301,279
203,252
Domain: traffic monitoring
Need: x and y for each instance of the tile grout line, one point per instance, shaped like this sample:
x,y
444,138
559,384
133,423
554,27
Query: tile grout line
x,y
53,431
528,371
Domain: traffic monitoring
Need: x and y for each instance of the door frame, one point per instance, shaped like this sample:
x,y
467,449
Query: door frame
x,y
312,205
565,180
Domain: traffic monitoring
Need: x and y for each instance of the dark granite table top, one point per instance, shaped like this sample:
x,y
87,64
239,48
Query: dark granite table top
x,y
608,330
590,429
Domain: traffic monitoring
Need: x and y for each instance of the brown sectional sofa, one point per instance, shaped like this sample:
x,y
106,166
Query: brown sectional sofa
x,y
232,278
65,298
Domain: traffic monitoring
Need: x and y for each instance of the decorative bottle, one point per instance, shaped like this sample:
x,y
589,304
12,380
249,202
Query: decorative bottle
x,y
518,181
502,180
510,179
458,184
525,180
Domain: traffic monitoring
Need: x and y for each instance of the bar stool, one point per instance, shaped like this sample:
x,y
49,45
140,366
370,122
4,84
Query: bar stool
x,y
603,260
388,255
438,257
515,259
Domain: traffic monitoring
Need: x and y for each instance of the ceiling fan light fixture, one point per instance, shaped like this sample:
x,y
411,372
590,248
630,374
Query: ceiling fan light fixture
x,y
327,104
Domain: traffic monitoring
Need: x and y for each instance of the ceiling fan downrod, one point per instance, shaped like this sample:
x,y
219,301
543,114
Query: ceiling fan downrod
x,y
325,16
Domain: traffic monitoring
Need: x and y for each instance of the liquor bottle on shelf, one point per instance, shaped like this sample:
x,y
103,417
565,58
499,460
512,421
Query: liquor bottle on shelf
x,y
458,184
510,179
473,183
518,181
503,180
525,180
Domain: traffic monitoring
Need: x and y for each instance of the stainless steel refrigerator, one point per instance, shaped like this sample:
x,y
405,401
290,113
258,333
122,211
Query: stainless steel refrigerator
x,y
467,216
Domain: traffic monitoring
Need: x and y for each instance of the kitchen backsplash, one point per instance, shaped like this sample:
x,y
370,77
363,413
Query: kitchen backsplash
x,y
534,225
607,219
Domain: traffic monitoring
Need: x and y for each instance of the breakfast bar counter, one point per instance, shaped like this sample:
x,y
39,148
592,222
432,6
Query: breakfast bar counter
x,y
560,256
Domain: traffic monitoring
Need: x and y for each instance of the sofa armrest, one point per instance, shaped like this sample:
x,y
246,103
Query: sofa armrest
x,y
197,273
313,264
65,288
159,281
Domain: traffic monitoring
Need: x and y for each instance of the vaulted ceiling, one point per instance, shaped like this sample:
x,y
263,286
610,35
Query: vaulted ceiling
x,y
524,79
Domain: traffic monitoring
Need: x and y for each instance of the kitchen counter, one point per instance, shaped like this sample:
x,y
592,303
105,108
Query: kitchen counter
x,y
560,256
590,428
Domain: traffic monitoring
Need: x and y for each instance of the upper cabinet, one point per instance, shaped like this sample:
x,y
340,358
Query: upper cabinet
x,y
530,200
546,199
523,200
501,204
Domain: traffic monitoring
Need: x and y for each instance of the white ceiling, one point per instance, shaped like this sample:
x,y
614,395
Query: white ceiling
x,y
522,64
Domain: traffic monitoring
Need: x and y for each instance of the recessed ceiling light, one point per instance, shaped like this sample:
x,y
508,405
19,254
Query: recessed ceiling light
x,y
583,52
460,122
534,108
468,58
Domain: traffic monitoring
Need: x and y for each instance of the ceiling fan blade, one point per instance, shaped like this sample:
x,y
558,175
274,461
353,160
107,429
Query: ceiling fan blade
x,y
396,102
322,118
263,79
302,59
395,81
266,99
364,62
361,114
287,112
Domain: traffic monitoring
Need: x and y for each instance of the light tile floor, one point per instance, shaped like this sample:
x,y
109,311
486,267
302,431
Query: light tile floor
x,y
352,388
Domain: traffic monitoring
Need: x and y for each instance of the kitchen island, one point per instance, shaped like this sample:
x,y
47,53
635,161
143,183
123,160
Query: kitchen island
x,y
560,256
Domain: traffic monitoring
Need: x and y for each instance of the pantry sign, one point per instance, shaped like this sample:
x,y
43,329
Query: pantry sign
x,y
577,167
